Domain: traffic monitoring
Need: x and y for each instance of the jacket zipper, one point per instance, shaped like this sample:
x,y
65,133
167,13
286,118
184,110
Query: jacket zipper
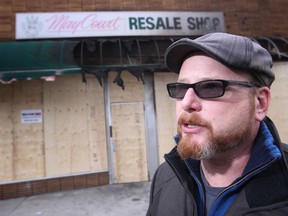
x,y
201,191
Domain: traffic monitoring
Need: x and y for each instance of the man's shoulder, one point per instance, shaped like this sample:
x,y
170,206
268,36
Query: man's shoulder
x,y
168,194
164,172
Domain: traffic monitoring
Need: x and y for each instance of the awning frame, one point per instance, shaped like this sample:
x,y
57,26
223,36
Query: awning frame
x,y
98,56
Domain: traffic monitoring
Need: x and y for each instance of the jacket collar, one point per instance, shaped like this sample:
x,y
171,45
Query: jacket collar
x,y
264,150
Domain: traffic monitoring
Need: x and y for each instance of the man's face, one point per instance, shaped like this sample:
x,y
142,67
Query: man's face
x,y
210,128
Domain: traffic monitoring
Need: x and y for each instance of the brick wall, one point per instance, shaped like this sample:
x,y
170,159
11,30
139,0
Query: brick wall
x,y
29,188
252,18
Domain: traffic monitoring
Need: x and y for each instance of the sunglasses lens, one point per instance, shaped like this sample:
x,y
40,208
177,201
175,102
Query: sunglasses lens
x,y
210,89
177,90
203,89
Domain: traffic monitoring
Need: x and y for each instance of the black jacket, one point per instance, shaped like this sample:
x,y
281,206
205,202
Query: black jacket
x,y
174,192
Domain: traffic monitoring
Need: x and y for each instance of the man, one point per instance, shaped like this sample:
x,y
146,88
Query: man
x,y
228,159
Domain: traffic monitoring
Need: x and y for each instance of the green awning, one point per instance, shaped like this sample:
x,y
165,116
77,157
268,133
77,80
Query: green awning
x,y
33,59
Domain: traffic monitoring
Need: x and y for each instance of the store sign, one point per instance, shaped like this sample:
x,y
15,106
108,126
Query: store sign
x,y
122,23
31,116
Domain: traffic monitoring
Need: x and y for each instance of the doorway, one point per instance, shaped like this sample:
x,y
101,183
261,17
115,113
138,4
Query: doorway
x,y
129,142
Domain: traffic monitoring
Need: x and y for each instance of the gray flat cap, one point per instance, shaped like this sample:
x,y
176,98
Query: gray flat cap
x,y
231,50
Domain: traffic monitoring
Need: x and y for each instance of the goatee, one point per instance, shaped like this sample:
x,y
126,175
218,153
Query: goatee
x,y
214,143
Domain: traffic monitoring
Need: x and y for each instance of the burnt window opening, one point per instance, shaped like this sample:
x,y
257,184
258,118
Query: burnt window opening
x,y
277,47
98,56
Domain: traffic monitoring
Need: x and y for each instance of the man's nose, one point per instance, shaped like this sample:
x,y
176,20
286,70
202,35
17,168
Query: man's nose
x,y
191,102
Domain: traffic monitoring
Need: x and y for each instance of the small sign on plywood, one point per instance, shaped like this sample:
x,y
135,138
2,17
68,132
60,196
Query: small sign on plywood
x,y
31,116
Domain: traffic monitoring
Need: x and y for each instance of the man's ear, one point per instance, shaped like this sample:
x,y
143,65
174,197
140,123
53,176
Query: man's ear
x,y
263,97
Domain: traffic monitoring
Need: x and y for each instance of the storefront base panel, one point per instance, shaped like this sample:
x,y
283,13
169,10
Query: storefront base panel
x,y
35,187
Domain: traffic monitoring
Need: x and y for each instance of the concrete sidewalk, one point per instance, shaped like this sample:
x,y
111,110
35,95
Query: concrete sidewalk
x,y
109,200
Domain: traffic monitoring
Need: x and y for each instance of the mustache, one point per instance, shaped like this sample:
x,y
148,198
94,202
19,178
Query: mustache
x,y
192,119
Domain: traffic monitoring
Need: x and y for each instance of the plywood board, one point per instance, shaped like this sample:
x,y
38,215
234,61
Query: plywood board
x,y
66,134
128,133
28,142
133,92
165,111
75,136
6,133
98,155
71,137
279,102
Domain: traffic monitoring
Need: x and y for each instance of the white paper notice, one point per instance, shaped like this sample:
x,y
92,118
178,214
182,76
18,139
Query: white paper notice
x,y
31,116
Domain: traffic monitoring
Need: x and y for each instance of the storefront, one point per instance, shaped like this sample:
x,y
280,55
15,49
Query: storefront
x,y
81,110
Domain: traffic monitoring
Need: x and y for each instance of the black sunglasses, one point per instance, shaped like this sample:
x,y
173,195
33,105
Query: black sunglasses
x,y
206,88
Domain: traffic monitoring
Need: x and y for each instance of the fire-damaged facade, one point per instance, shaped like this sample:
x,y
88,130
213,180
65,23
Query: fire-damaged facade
x,y
83,98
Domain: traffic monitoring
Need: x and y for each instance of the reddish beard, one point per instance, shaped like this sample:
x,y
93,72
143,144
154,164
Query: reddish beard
x,y
187,148
214,143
